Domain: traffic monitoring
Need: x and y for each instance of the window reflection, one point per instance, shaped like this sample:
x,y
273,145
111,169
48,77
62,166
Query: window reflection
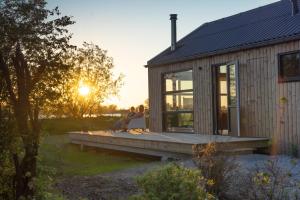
x,y
290,67
178,101
223,86
179,120
222,97
224,102
179,81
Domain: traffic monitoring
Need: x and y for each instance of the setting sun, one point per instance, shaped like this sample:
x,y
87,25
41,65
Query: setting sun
x,y
84,90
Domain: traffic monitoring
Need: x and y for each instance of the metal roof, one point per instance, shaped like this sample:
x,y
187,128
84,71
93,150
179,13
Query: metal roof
x,y
265,25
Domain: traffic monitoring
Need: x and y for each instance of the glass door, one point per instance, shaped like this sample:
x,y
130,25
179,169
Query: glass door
x,y
226,98
222,100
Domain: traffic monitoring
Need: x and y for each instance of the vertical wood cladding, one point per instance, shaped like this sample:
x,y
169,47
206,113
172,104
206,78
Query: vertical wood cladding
x,y
268,108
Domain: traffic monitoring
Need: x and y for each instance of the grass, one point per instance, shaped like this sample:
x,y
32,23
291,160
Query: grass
x,y
64,125
66,160
69,160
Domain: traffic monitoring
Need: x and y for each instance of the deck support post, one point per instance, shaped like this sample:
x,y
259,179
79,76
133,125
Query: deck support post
x,y
81,147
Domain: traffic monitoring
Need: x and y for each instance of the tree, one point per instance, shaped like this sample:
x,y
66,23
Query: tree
x,y
33,43
88,83
107,109
6,145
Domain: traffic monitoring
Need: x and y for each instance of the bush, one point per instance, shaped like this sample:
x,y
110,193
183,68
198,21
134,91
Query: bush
x,y
44,184
215,167
8,146
172,183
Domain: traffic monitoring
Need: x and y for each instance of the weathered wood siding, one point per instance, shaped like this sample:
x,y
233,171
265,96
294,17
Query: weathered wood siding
x,y
263,114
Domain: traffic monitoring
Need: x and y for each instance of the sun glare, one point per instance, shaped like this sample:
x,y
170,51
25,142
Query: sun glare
x,y
84,90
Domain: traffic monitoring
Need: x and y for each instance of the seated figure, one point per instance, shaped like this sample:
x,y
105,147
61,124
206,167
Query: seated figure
x,y
120,123
123,123
139,114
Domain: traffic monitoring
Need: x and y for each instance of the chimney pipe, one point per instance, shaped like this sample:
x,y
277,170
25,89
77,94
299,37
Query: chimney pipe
x,y
295,8
173,18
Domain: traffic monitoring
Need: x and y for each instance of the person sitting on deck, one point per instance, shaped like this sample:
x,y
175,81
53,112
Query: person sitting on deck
x,y
139,114
122,122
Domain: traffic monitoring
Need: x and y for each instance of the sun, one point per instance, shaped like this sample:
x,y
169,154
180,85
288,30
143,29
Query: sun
x,y
84,90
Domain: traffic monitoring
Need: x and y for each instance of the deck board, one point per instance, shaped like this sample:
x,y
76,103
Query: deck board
x,y
178,143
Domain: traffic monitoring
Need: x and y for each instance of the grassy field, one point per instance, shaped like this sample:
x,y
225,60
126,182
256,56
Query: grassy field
x,y
68,160
64,125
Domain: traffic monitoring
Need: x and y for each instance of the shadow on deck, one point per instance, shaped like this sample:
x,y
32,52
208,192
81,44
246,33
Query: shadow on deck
x,y
165,145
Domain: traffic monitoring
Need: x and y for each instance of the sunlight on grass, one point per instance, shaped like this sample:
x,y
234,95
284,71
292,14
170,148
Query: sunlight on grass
x,y
68,160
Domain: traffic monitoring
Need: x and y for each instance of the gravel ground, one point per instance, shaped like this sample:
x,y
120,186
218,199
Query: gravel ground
x,y
286,163
120,185
110,186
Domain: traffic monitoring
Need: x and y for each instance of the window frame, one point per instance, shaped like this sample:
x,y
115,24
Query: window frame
x,y
164,107
281,78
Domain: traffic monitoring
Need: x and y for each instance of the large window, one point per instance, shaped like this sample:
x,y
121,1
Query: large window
x,y
178,101
289,67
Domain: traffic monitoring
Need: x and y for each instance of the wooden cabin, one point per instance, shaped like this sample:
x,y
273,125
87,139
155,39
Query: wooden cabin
x,y
237,76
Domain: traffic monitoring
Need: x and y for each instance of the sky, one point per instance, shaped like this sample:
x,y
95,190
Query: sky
x,y
134,31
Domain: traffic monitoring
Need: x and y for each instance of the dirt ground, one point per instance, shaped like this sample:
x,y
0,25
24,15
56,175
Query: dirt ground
x,y
110,186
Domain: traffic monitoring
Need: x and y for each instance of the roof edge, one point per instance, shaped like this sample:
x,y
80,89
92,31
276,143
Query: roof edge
x,y
229,50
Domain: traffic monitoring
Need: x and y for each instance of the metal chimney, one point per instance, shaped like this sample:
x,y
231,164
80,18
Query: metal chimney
x,y
173,18
295,8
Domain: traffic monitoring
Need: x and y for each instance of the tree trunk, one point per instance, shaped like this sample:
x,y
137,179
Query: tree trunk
x,y
26,166
25,174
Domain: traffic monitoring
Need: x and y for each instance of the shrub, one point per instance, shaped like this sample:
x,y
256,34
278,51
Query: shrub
x,y
44,184
215,167
172,183
45,181
8,146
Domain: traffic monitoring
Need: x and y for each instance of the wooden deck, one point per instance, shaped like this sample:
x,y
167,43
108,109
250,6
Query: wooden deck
x,y
161,144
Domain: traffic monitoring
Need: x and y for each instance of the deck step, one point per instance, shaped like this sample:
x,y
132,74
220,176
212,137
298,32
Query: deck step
x,y
239,151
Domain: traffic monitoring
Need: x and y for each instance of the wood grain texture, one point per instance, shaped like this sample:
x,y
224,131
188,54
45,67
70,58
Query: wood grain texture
x,y
262,112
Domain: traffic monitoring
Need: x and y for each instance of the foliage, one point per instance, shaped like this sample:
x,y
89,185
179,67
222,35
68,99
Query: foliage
x,y
268,181
64,125
109,109
92,70
44,183
216,167
37,39
173,183
6,162
33,45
